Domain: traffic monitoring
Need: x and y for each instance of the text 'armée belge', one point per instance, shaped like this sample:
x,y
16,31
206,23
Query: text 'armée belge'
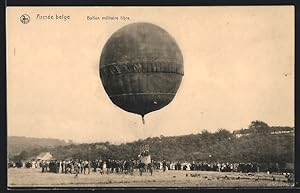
x,y
53,17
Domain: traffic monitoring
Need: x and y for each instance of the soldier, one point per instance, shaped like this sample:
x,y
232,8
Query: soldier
x,y
76,167
57,166
108,166
100,165
54,166
87,165
131,165
164,165
151,167
113,166
126,166
141,167
43,164
63,164
67,166
95,165
81,162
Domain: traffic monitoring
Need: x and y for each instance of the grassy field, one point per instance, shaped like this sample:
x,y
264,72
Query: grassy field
x,y
34,178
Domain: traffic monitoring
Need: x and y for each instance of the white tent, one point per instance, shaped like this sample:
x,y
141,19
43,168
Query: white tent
x,y
44,156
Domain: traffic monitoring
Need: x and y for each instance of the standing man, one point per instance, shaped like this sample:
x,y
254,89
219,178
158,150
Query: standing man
x,y
43,164
164,165
151,167
81,162
63,163
108,166
76,167
57,166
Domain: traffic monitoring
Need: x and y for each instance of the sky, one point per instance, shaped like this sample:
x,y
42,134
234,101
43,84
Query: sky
x,y
238,67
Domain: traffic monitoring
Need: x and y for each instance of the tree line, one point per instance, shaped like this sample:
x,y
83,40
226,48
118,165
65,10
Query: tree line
x,y
253,144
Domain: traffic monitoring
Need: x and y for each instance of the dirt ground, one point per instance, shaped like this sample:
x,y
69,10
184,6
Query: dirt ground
x,y
23,177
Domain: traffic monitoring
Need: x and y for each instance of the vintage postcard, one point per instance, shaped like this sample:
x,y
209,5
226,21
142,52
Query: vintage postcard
x,y
191,96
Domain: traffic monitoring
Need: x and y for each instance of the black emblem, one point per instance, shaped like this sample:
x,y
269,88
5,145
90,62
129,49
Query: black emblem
x,y
25,18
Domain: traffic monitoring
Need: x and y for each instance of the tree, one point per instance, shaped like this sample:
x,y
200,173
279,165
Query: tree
x,y
259,127
22,156
222,134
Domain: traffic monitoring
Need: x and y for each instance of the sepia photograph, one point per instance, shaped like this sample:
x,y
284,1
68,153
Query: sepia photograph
x,y
177,97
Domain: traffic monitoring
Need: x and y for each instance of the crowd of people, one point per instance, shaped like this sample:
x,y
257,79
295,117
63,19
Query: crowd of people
x,y
77,166
214,166
129,166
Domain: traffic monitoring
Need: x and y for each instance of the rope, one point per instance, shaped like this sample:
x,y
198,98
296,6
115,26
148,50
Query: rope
x,y
143,120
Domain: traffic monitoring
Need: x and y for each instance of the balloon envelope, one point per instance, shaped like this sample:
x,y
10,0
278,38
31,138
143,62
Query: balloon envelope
x,y
141,68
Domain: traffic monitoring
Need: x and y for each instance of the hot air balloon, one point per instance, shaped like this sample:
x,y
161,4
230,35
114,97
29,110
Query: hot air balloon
x,y
141,68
